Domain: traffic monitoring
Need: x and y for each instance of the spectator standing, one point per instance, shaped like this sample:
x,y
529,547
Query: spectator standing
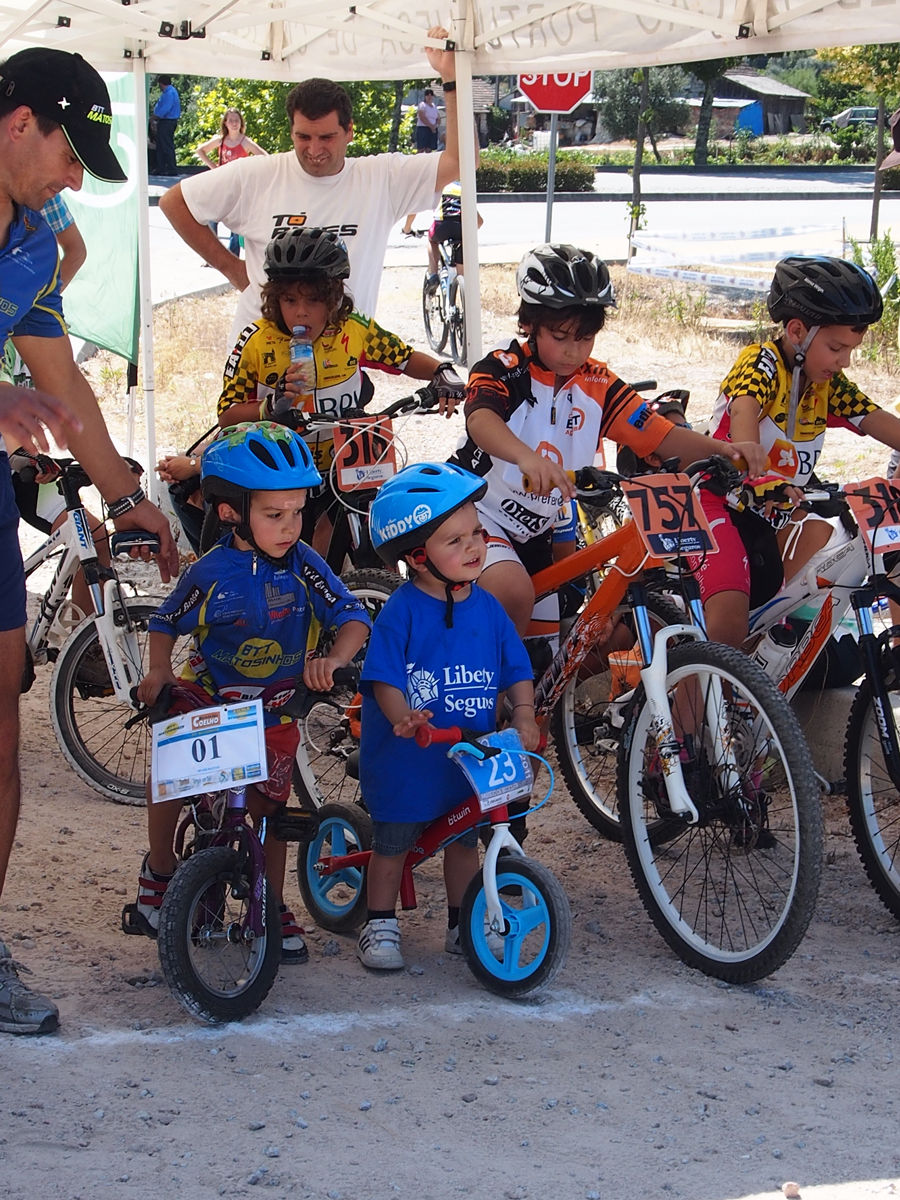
x,y
427,117
167,111
316,184
229,144
68,237
55,121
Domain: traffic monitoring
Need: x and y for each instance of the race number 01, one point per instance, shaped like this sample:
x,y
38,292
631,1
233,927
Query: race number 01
x,y
198,749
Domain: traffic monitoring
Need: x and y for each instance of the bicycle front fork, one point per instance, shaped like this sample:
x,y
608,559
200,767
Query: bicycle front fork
x,y
871,653
501,839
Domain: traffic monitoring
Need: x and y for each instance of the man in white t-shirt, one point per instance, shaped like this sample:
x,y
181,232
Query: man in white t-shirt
x,y
315,185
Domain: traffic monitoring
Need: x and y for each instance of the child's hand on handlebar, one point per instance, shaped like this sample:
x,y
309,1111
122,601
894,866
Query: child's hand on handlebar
x,y
406,727
542,476
747,456
318,674
153,683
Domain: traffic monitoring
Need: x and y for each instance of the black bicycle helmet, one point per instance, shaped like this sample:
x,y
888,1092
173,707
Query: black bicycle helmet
x,y
824,291
299,252
561,276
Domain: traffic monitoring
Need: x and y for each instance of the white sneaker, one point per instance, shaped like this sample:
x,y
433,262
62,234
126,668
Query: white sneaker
x,y
453,945
379,945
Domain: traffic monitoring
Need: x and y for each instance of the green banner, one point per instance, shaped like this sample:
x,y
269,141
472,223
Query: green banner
x,y
101,302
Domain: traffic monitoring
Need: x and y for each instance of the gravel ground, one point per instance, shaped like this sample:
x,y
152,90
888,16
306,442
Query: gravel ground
x,y
632,1076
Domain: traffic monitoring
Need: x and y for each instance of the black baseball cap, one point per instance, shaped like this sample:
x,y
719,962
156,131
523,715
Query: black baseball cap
x,y
66,89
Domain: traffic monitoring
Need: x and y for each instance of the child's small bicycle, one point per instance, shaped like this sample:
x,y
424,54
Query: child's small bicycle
x,y
219,937
512,897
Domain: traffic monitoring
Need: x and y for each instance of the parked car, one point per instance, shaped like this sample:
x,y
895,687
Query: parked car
x,y
851,116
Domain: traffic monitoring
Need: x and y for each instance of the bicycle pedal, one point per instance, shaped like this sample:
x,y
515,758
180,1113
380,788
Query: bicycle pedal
x,y
294,825
133,923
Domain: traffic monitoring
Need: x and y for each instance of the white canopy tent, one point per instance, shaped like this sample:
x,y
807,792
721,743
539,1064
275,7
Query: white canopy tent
x,y
383,39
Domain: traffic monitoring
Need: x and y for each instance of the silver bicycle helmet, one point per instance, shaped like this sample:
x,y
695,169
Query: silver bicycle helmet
x,y
561,276
298,252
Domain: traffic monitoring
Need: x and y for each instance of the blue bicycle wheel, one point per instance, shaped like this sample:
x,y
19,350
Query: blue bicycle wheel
x,y
538,928
335,902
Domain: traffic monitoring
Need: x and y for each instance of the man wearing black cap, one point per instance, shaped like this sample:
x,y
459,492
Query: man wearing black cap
x,y
55,122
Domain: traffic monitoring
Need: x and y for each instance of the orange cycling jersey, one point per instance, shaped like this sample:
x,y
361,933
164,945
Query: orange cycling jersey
x,y
564,424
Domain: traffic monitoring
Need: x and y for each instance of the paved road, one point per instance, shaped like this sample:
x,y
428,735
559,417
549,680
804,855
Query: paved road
x,y
511,228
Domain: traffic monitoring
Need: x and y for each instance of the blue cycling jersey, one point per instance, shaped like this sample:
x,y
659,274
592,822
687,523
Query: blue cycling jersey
x,y
30,303
254,624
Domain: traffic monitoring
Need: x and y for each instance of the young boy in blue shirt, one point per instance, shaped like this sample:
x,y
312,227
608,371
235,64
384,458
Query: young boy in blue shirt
x,y
442,651
254,605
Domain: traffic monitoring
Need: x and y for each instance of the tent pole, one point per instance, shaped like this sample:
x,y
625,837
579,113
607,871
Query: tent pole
x,y
469,194
139,72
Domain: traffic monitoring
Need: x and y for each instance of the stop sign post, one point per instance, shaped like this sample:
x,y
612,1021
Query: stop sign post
x,y
555,94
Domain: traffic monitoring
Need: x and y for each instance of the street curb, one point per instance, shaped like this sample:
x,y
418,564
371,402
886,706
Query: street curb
x,y
693,197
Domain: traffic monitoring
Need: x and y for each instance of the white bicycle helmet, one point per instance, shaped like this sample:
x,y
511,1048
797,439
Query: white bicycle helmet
x,y
562,276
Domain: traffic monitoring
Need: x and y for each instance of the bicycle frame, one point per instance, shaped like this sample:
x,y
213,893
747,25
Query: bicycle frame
x,y
438,834
631,558
235,828
75,542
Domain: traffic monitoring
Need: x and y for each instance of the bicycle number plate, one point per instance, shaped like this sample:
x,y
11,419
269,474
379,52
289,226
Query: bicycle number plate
x,y
875,504
208,750
364,453
503,778
668,515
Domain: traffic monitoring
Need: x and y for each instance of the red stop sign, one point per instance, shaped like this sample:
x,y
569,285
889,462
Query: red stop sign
x,y
556,93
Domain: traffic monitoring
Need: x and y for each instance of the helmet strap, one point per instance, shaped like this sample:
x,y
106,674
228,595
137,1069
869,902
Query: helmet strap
x,y
794,403
243,530
420,556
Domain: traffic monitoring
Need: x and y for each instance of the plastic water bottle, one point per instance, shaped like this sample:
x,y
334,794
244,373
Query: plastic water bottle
x,y
301,351
775,651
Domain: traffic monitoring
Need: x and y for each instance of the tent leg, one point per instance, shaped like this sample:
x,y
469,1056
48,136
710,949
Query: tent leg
x,y
466,124
146,297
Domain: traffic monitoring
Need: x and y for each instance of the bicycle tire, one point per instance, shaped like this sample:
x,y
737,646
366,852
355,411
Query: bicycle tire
x,y
326,740
872,800
89,721
539,928
436,328
336,902
197,914
733,894
458,321
589,769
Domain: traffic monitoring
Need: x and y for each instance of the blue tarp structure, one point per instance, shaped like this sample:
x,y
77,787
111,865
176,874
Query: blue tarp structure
x,y
751,118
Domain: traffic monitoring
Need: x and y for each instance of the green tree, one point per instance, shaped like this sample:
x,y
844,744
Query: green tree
x,y
262,104
708,73
618,97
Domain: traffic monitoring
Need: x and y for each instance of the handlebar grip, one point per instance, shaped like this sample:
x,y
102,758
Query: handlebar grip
x,y
526,482
425,735
644,385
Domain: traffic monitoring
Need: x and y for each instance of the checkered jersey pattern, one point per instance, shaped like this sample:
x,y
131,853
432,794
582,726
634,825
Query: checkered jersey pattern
x,y
380,347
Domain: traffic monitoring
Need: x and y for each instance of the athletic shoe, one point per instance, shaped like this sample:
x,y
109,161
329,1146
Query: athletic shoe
x,y
21,1009
293,947
379,945
151,890
453,945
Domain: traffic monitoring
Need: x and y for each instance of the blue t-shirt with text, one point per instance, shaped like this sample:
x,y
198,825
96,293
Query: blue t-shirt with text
x,y
455,673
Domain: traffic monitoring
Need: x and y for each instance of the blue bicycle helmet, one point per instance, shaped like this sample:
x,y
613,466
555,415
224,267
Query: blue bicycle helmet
x,y
257,457
414,504
252,457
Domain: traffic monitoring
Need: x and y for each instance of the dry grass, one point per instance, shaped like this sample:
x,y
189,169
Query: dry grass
x,y
658,331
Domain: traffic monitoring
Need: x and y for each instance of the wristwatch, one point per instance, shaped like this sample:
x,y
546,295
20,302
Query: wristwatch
x,y
118,508
449,86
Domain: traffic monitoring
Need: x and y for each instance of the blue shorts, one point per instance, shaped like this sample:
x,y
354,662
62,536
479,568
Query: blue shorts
x,y
395,837
12,573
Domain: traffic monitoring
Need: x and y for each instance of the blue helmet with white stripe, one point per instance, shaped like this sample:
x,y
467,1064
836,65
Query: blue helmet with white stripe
x,y
414,504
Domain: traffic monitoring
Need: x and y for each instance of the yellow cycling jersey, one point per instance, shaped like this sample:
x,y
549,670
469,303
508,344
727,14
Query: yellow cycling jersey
x,y
261,357
762,372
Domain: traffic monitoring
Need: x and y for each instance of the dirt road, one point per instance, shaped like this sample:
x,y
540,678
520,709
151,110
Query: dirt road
x,y
633,1077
